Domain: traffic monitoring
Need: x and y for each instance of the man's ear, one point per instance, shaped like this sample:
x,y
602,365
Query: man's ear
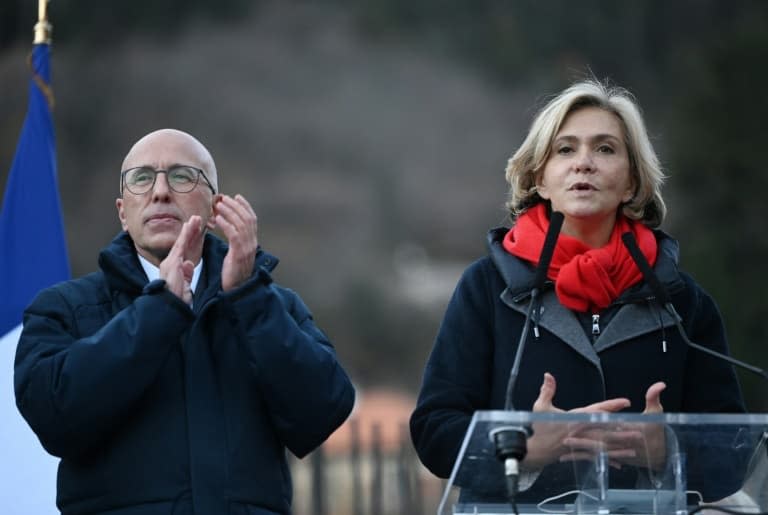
x,y
211,223
121,213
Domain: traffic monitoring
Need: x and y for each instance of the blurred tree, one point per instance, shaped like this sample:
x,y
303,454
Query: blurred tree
x,y
716,138
696,66
96,21
697,69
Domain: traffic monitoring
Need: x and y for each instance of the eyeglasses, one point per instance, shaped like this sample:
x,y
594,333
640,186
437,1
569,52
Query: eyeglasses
x,y
181,179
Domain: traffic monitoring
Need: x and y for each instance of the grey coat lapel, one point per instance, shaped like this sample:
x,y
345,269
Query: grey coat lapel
x,y
630,321
558,320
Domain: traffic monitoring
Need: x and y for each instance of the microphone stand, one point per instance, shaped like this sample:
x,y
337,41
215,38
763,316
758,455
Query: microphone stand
x,y
663,297
511,441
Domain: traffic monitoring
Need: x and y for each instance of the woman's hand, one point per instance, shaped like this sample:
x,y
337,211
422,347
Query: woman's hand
x,y
549,441
639,445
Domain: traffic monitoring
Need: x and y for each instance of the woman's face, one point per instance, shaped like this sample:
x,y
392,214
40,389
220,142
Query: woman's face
x,y
586,176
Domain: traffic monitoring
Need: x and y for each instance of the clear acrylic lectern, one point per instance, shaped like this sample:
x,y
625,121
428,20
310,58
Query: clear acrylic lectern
x,y
704,458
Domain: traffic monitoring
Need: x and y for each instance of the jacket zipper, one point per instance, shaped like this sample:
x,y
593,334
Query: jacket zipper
x,y
595,326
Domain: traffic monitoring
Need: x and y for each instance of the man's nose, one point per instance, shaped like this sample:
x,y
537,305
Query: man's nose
x,y
161,191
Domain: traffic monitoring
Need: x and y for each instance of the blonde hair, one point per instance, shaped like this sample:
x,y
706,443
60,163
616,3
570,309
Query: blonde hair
x,y
647,204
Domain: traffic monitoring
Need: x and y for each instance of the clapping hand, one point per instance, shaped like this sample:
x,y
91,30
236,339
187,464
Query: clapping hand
x,y
177,268
237,220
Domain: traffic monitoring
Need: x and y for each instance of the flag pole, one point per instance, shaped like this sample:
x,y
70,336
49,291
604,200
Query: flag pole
x,y
43,29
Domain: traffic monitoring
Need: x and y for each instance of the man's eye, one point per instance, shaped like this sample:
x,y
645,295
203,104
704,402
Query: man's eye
x,y
182,176
142,177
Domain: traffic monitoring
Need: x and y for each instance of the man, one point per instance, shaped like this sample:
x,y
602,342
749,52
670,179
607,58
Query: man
x,y
172,380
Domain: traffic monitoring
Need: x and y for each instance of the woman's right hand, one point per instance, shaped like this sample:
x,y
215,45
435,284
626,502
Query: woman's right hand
x,y
546,445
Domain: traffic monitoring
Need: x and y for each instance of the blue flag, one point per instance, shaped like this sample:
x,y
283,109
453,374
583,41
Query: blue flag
x,y
33,252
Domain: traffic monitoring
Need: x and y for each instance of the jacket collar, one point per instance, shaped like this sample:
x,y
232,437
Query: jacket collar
x,y
518,274
634,317
123,271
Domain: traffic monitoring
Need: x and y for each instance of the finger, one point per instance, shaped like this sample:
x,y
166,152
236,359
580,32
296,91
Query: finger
x,y
234,233
246,205
192,235
583,444
227,219
609,405
623,437
577,456
236,212
546,394
622,454
179,246
186,294
580,455
653,398
195,236
170,271
239,231
188,270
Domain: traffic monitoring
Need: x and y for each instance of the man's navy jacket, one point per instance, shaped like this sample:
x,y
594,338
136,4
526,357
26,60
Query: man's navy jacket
x,y
154,407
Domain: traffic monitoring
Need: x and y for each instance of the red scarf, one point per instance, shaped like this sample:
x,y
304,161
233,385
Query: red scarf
x,y
586,279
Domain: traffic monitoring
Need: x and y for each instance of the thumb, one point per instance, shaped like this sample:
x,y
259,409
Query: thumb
x,y
653,398
546,394
188,270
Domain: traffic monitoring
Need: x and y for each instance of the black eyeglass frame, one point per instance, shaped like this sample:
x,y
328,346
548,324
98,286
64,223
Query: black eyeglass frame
x,y
200,173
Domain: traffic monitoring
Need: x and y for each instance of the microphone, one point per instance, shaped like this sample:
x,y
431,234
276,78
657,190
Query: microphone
x,y
663,297
511,441
540,276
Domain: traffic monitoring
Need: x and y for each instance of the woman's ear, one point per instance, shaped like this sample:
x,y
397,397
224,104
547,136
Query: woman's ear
x,y
541,187
631,190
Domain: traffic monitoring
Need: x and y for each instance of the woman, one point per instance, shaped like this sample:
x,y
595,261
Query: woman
x,y
603,343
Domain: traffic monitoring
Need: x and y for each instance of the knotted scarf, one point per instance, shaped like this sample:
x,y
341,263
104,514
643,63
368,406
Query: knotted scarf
x,y
586,279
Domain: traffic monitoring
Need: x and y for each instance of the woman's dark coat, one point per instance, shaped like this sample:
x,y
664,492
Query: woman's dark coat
x,y
469,366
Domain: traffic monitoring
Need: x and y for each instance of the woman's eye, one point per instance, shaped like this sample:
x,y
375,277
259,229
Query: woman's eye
x,y
605,149
564,150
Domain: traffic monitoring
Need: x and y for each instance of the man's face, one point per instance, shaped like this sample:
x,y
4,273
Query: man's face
x,y
154,219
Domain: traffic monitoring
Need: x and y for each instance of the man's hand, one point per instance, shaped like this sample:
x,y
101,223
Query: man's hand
x,y
177,268
236,219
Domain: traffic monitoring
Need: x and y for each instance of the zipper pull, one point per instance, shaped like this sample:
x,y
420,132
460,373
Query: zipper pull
x,y
595,325
664,345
